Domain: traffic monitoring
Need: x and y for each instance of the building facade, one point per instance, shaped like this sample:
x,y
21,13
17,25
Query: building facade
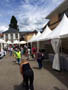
x,y
56,16
27,35
11,35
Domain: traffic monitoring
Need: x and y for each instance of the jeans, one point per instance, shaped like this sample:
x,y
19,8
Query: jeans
x,y
10,53
28,80
18,60
39,63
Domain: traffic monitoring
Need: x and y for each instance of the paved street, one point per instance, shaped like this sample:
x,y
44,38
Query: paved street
x,y
45,79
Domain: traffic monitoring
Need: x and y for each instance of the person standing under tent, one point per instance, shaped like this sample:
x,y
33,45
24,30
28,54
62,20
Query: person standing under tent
x,y
34,52
39,59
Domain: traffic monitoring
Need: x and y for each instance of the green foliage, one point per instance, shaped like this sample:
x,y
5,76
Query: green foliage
x,y
13,23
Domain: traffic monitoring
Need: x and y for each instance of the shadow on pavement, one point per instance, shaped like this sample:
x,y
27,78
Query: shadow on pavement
x,y
19,87
31,60
61,76
56,88
35,67
14,63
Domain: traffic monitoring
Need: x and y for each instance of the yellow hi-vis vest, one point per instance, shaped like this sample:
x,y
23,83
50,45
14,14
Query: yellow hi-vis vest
x,y
18,54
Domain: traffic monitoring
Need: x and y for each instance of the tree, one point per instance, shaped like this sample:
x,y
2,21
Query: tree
x,y
13,23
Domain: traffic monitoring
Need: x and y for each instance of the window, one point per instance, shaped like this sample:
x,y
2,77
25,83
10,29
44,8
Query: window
x,y
6,36
11,37
16,35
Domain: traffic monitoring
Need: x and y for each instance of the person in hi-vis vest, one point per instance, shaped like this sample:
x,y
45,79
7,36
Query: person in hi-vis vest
x,y
18,56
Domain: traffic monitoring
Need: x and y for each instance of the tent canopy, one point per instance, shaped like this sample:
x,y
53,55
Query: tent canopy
x,y
9,42
31,38
22,42
16,42
44,34
35,39
61,30
2,41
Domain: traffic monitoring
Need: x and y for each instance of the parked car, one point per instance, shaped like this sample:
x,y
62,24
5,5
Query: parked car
x,y
2,54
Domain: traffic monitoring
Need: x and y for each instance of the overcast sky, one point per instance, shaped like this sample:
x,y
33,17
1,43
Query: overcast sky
x,y
30,14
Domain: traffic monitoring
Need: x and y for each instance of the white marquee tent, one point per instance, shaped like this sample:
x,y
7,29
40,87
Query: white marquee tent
x,y
44,34
9,42
60,31
2,41
35,39
22,42
30,41
31,38
16,42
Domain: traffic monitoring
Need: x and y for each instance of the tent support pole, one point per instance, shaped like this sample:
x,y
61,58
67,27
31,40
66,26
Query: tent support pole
x,y
37,46
62,54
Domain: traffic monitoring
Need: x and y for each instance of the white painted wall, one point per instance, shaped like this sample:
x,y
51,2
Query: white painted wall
x,y
9,37
4,37
18,36
14,36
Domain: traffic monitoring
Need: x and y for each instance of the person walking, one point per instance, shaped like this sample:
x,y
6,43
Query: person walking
x,y
22,51
11,51
28,53
27,73
18,56
34,52
39,59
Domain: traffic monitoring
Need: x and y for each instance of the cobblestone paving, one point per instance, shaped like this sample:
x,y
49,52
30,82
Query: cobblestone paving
x,y
11,79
